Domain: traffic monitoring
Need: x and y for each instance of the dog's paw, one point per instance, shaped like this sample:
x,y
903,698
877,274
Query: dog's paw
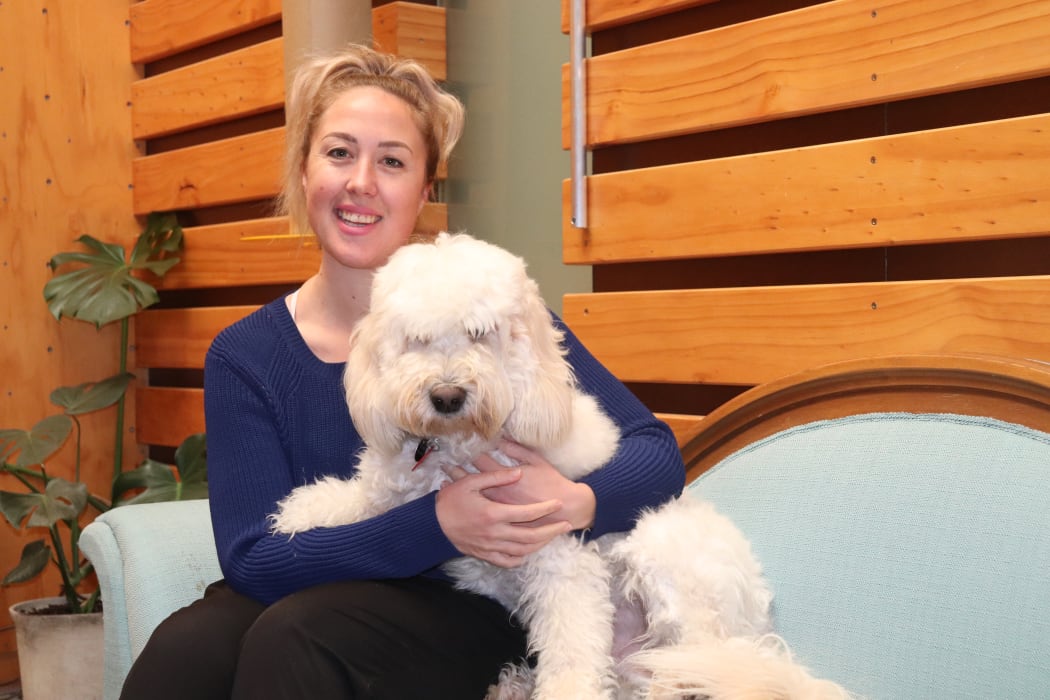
x,y
295,513
515,683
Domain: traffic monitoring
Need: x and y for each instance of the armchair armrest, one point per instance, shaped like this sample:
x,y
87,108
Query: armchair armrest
x,y
151,559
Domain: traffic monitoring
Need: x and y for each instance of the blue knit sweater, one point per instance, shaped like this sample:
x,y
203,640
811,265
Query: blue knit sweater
x,y
276,418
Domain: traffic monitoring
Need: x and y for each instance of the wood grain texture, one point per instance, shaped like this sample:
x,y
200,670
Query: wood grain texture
x,y
238,169
179,338
685,427
412,30
161,28
602,14
972,182
65,167
751,335
166,416
1011,389
825,57
236,84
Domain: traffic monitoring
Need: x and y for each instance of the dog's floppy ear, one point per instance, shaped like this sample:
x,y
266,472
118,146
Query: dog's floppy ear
x,y
364,394
544,384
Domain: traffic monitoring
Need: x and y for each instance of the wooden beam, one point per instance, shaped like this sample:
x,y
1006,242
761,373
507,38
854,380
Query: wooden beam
x,y
231,85
412,30
979,181
167,416
751,335
829,56
602,14
161,28
179,338
239,169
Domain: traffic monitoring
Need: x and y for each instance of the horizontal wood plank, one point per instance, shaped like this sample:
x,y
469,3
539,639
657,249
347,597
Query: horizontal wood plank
x,y
179,338
820,58
161,28
685,427
747,336
229,86
972,182
240,169
412,30
167,416
602,14
242,253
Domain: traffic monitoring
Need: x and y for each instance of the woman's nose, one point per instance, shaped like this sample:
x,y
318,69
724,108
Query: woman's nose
x,y
362,178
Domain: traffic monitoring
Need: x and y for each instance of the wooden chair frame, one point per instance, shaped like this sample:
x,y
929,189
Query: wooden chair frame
x,y
1010,389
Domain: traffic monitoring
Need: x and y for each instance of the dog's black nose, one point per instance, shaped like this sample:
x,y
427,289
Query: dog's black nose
x,y
447,399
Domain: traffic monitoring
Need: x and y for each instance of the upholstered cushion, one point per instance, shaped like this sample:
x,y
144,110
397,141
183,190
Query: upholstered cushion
x,y
909,554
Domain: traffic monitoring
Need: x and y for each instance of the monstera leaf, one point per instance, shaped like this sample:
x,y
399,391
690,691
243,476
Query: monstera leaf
x,y
35,445
35,557
159,482
60,500
91,396
104,289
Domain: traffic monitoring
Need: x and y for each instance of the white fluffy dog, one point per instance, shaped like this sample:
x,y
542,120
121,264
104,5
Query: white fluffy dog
x,y
459,351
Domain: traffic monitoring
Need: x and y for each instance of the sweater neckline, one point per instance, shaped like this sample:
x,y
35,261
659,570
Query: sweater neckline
x,y
286,325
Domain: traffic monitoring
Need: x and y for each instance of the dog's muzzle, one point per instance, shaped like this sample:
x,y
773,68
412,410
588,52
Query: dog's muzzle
x,y
448,399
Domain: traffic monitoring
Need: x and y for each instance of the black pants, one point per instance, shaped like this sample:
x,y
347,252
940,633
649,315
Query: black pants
x,y
404,639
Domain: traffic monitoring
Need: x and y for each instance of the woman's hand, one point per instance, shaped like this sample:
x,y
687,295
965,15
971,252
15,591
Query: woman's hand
x,y
540,481
499,533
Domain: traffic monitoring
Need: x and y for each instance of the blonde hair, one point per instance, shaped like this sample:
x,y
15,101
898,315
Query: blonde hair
x,y
319,82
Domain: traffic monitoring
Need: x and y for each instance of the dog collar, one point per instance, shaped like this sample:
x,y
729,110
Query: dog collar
x,y
425,447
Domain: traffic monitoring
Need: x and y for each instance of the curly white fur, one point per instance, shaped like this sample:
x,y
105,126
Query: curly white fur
x,y
459,348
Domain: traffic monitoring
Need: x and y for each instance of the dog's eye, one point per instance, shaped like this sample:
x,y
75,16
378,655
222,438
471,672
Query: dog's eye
x,y
476,334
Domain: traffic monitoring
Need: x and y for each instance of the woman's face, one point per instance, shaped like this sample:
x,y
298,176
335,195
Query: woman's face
x,y
365,177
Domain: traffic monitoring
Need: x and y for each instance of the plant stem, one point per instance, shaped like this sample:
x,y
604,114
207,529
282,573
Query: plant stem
x,y
21,473
68,589
76,452
118,444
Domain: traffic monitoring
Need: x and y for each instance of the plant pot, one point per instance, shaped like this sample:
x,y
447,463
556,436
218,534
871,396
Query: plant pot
x,y
60,657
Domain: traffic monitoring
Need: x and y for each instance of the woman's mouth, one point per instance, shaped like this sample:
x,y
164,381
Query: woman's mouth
x,y
356,218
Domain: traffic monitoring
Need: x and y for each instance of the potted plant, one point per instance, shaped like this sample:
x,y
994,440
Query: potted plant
x,y
101,288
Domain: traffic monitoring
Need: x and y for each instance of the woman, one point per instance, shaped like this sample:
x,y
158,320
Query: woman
x,y
363,611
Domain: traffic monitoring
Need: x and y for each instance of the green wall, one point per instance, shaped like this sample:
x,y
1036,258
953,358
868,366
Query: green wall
x,y
504,61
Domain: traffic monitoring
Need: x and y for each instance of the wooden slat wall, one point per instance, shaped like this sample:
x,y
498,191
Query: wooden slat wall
x,y
209,110
782,183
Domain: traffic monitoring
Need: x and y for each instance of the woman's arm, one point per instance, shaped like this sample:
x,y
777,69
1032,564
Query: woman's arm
x,y
253,463
647,469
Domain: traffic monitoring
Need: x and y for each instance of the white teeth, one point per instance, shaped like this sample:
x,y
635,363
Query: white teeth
x,y
353,218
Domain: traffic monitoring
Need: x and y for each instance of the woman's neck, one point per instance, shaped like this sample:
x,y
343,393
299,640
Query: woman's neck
x,y
329,306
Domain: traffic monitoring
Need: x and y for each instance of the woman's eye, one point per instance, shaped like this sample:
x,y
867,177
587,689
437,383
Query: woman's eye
x,y
338,152
391,162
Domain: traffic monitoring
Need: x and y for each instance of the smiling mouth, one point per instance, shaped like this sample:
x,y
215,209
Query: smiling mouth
x,y
355,219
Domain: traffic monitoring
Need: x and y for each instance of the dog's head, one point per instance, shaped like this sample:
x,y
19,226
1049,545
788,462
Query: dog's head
x,y
457,341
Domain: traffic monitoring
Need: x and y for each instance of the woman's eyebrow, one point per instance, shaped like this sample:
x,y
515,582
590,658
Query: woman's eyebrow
x,y
352,139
